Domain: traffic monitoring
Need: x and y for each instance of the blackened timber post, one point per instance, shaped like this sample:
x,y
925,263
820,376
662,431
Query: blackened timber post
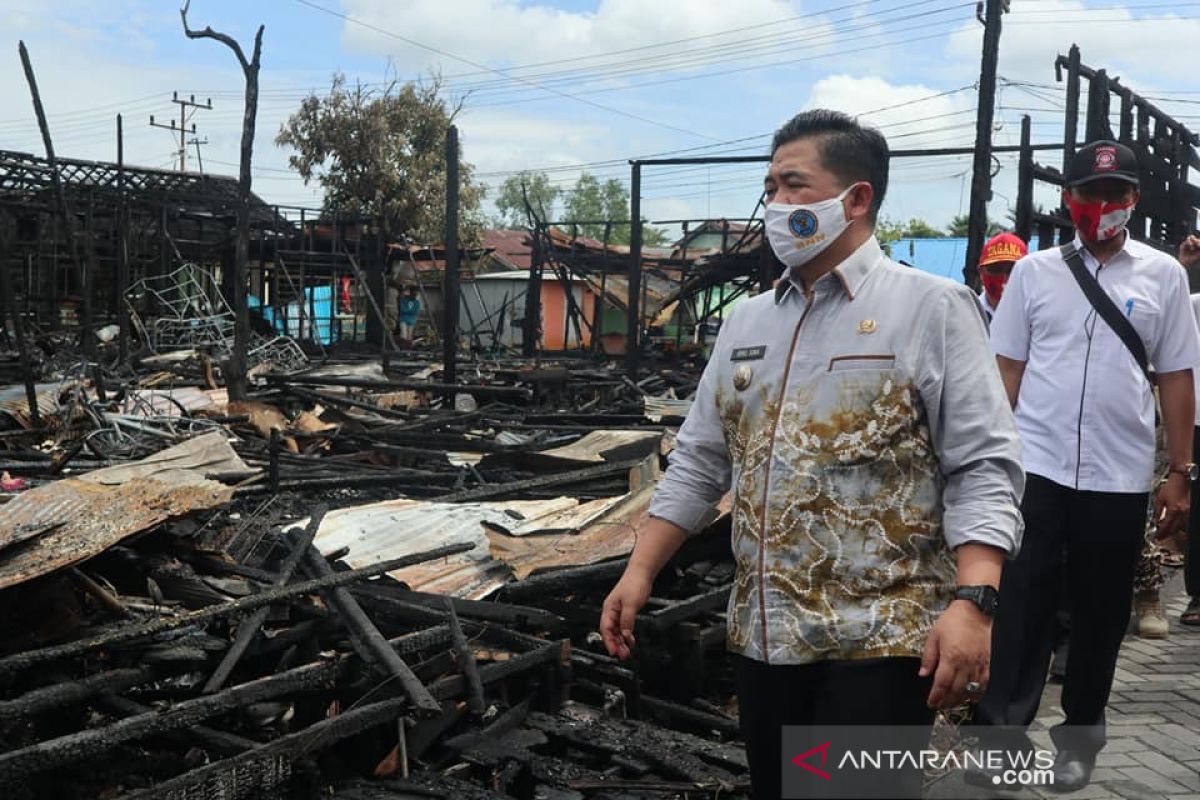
x,y
451,288
981,177
531,333
1070,124
9,309
60,193
1024,217
634,323
376,269
122,249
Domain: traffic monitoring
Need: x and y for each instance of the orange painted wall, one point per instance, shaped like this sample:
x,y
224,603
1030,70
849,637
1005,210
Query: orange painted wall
x,y
554,315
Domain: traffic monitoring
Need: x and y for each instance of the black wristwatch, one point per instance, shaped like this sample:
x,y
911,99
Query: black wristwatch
x,y
985,597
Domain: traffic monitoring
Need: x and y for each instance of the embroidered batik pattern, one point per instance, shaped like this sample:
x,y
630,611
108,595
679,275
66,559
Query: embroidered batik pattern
x,y
839,543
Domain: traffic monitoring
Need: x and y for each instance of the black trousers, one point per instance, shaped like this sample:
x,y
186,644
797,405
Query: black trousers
x,y
877,691
1095,537
1191,563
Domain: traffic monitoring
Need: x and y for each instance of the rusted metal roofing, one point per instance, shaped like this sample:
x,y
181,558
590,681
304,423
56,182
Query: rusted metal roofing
x,y
395,528
611,532
14,404
607,445
187,462
62,523
511,247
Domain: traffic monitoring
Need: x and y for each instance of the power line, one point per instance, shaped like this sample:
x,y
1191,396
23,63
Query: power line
x,y
774,41
624,161
441,52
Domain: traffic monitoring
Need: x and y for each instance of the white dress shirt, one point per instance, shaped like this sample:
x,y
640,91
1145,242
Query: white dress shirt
x,y
1196,372
1085,411
985,305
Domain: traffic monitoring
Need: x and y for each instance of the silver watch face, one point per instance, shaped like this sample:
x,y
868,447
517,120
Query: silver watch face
x,y
1193,471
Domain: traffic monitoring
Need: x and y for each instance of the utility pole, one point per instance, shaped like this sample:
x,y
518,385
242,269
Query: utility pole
x,y
450,288
184,104
989,13
197,142
633,326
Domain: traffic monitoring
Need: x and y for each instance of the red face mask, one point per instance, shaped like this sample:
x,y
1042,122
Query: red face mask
x,y
1098,221
993,285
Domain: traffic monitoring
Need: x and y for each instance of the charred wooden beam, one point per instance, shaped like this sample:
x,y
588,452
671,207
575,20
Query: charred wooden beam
x,y
690,717
682,610
466,659
250,626
62,695
561,581
400,478
552,653
368,640
411,613
242,776
221,741
89,744
560,479
30,658
478,390
527,617
505,723
426,733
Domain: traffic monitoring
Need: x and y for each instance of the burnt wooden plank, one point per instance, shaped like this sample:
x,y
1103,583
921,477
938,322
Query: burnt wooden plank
x,y
30,658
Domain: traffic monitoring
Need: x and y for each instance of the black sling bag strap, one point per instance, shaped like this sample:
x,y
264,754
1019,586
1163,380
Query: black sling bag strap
x,y
1107,309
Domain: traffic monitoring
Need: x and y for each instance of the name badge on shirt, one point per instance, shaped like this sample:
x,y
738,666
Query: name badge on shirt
x,y
748,353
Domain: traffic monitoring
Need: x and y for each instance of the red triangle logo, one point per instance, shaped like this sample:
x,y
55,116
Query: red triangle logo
x,y
802,760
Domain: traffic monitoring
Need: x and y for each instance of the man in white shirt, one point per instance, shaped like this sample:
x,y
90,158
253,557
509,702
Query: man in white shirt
x,y
1189,256
1085,412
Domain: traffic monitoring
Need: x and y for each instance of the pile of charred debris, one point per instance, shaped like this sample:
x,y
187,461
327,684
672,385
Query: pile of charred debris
x,y
357,582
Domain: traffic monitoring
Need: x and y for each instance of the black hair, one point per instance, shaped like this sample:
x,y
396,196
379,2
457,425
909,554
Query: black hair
x,y
850,151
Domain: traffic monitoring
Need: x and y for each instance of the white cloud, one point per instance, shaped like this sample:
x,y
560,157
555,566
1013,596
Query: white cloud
x,y
509,32
910,115
1155,47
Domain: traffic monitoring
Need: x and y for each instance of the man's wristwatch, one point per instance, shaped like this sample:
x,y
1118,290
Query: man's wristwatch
x,y
985,597
1190,470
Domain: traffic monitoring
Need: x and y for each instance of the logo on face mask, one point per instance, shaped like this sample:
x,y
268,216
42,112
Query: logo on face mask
x,y
803,223
798,233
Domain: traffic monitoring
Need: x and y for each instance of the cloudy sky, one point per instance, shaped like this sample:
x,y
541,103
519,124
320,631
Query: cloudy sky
x,y
557,84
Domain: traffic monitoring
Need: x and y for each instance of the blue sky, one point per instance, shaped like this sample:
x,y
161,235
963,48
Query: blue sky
x,y
626,77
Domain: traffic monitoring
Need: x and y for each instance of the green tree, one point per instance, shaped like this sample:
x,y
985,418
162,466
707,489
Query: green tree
x,y
510,200
917,228
889,230
961,224
382,153
595,203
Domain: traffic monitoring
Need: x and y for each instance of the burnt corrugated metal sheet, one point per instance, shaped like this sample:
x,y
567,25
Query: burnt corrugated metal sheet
x,y
395,528
613,445
187,462
72,520
611,532
53,506
14,404
655,408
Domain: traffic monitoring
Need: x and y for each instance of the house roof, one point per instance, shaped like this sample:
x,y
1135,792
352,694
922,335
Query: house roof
x,y
510,247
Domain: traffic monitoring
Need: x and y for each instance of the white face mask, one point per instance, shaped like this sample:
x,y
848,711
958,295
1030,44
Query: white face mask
x,y
800,233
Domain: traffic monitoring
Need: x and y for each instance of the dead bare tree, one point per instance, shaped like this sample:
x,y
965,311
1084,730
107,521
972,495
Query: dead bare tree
x,y
236,378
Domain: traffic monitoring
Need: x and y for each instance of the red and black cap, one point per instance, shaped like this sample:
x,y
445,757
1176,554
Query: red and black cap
x,y
1102,159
